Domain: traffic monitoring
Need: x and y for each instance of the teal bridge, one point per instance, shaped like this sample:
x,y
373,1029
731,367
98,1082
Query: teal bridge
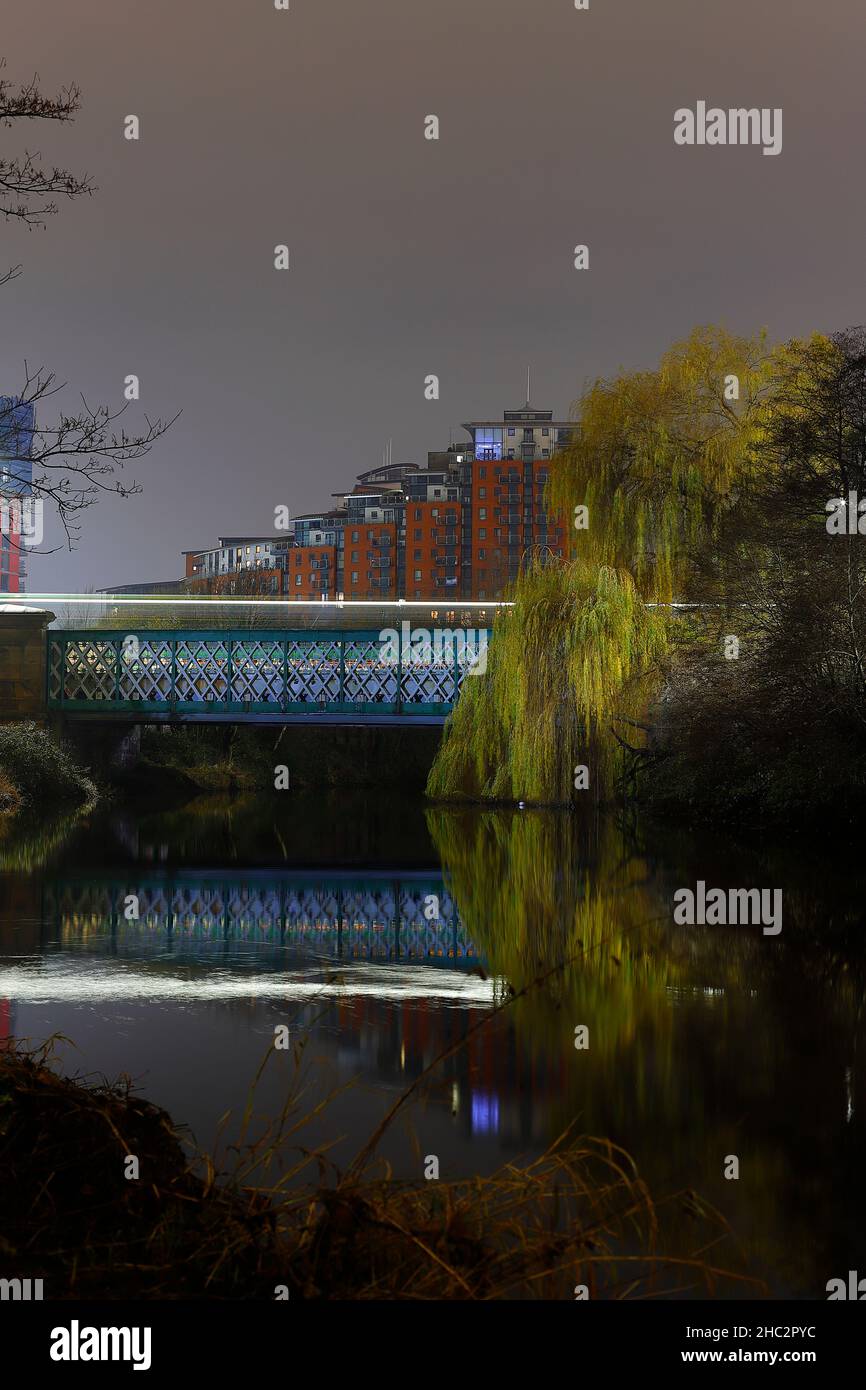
x,y
305,676
385,917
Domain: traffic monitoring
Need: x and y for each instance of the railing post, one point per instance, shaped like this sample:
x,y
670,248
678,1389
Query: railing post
x,y
400,670
285,700
229,671
342,691
118,669
456,668
172,689
63,647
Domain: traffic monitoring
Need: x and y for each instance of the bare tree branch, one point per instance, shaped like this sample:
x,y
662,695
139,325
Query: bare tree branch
x,y
27,190
72,462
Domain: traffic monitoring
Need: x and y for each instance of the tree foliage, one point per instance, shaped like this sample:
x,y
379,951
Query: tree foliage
x,y
576,635
704,481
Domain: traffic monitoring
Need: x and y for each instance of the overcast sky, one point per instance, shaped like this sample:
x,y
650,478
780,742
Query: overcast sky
x,y
408,256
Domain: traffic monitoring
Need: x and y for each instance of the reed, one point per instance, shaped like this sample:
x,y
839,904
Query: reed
x,y
579,1214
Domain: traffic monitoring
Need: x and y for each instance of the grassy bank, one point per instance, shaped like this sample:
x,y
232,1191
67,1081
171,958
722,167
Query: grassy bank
x,y
579,1214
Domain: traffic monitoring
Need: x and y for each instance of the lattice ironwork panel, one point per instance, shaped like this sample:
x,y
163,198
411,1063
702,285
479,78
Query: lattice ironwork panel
x,y
153,908
250,909
88,670
146,674
369,678
423,683
366,908
313,908
412,906
197,909
202,670
257,672
314,671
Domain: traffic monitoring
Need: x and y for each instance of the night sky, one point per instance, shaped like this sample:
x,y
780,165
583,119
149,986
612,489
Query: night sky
x,y
408,256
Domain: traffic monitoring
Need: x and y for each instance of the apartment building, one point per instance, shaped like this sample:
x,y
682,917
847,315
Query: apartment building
x,y
460,527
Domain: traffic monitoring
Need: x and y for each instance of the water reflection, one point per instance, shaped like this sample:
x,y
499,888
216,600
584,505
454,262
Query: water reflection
x,y
384,933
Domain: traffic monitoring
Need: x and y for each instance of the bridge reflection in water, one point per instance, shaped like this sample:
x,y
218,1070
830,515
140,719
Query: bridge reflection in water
x,y
374,917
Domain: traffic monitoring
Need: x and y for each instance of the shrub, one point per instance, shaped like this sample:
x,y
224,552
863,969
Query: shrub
x,y
39,769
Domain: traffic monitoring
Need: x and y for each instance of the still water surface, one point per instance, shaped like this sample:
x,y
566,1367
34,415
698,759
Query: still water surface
x,y
381,932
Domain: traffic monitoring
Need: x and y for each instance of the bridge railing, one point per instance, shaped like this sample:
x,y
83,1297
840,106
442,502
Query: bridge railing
x,y
380,918
243,672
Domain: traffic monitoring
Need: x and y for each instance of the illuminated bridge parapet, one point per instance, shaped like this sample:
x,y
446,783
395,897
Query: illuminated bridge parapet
x,y
243,674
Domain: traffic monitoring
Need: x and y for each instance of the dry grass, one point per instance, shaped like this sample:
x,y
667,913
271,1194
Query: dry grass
x,y
578,1214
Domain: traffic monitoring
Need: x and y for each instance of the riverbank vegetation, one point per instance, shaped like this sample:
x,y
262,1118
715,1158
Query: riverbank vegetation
x,y
708,481
38,774
578,1215
238,759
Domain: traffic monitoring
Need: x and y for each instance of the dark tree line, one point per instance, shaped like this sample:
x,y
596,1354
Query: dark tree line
x,y
787,569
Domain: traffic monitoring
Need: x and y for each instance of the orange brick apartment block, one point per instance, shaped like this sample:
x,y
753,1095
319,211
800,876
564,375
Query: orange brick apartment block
x,y
370,560
433,538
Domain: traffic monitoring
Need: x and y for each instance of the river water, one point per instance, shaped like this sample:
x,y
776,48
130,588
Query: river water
x,y
170,945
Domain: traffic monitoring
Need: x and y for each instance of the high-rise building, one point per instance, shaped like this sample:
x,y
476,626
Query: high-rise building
x,y
16,479
504,517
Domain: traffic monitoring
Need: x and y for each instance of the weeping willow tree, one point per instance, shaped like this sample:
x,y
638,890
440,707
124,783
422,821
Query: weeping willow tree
x,y
522,730
657,459
657,456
